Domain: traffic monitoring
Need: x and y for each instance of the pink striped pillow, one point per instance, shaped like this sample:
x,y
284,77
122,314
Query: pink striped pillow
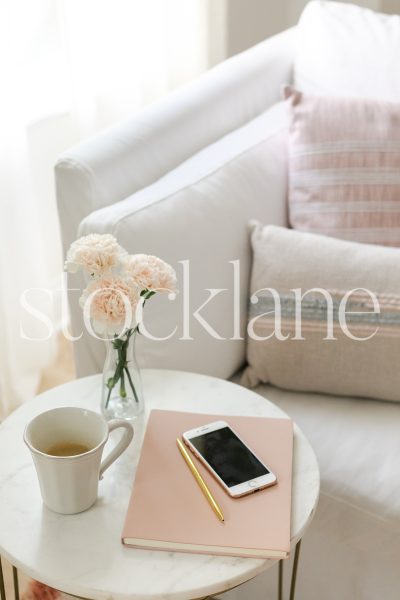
x,y
344,168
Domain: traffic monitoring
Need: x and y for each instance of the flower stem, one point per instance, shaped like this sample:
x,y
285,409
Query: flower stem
x,y
108,395
131,383
121,365
122,390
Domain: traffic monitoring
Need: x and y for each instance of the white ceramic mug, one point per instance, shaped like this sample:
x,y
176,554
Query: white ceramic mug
x,y
69,483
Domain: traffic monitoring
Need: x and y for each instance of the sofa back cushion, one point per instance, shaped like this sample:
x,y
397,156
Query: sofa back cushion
x,y
344,167
199,213
346,50
324,315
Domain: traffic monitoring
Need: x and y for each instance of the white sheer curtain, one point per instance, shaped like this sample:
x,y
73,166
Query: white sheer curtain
x,y
68,68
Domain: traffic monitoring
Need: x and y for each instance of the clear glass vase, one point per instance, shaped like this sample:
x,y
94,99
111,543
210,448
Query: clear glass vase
x,y
122,396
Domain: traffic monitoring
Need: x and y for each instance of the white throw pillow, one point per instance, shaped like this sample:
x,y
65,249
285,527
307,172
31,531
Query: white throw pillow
x,y
346,50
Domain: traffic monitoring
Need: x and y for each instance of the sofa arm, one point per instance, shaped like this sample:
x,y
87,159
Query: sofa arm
x,y
130,156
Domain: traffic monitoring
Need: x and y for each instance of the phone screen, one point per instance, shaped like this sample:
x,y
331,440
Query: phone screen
x,y
233,462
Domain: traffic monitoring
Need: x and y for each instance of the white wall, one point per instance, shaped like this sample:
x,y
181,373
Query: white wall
x,y
391,6
250,21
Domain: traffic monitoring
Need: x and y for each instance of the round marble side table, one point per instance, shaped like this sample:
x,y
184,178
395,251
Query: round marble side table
x,y
82,554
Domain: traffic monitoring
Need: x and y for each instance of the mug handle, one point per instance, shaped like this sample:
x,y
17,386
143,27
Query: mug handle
x,y
120,447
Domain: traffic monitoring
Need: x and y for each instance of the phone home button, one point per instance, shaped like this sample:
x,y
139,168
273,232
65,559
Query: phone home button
x,y
252,484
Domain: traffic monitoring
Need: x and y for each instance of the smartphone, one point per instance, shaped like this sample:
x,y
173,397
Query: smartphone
x,y
227,457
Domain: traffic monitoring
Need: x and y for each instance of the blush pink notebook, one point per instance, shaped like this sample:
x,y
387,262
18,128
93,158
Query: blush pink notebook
x,y
167,510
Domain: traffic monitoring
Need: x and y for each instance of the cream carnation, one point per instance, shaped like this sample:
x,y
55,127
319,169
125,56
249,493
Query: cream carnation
x,y
96,253
150,272
106,298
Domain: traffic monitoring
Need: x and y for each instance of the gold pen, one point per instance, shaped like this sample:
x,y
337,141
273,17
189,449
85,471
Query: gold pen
x,y
202,484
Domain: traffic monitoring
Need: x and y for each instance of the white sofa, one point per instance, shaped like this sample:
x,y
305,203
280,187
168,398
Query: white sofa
x,y
181,180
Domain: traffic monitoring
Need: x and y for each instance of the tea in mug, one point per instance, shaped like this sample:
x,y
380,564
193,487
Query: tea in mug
x,y
67,449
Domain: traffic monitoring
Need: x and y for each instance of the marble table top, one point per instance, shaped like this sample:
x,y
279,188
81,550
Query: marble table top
x,y
82,554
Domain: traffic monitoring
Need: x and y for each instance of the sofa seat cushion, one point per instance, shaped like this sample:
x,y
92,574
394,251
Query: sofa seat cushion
x,y
357,444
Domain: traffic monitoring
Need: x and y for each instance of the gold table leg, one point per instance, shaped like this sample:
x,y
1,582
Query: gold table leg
x,y
294,574
16,584
294,570
2,588
280,580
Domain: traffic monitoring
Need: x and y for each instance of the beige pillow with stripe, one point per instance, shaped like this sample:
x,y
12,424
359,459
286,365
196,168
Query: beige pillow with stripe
x,y
344,167
344,336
